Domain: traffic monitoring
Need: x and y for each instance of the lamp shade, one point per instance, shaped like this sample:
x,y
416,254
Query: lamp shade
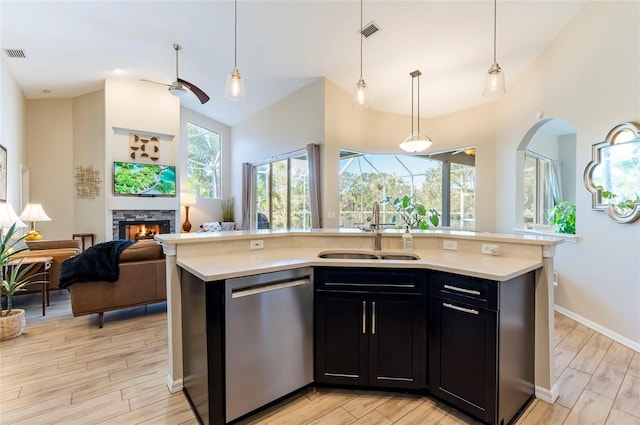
x,y
34,212
416,143
187,198
8,216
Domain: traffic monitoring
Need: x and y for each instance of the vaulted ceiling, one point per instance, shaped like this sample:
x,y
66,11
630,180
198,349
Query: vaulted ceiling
x,y
72,46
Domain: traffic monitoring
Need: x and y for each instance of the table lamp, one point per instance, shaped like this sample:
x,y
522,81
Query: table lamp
x,y
187,199
33,213
8,216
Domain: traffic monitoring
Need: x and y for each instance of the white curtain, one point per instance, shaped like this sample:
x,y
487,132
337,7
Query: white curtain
x,y
315,194
555,181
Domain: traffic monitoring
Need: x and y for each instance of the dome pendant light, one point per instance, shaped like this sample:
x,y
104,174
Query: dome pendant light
x,y
416,142
234,89
494,81
360,98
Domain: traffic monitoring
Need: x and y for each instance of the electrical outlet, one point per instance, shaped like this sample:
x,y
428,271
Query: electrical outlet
x,y
450,245
490,249
256,244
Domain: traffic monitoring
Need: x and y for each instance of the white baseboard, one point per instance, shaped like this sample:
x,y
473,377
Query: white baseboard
x,y
598,328
546,395
174,386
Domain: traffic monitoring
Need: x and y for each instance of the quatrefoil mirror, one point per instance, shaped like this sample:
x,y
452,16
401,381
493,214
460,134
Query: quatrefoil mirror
x,y
613,175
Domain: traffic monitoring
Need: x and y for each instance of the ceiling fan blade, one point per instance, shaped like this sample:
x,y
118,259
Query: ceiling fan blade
x,y
202,96
155,82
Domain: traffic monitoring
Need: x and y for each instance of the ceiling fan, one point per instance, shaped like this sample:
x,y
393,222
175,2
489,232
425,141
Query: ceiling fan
x,y
177,88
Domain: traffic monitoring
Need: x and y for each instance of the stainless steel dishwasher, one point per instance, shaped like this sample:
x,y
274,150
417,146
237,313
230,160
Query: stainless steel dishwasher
x,y
268,338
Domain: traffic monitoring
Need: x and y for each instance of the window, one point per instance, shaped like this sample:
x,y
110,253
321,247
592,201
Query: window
x,y
538,196
444,182
282,193
203,161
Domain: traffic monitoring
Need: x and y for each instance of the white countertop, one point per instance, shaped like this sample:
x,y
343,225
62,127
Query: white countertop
x,y
220,267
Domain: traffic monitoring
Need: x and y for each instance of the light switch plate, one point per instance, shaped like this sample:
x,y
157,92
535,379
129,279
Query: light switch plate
x,y
450,245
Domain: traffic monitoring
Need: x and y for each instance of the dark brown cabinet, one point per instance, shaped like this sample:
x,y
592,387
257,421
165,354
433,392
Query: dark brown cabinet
x,y
481,344
370,327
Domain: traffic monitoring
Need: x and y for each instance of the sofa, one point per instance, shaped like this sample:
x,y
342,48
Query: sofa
x,y
59,250
142,281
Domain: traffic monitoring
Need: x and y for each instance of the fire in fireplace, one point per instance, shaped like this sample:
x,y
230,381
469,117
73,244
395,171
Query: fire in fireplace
x,y
140,230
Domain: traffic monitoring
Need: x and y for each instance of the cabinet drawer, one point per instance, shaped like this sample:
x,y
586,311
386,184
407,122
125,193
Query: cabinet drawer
x,y
470,290
370,280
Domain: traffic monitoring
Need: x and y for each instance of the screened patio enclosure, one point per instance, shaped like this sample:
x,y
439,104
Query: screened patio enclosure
x,y
443,181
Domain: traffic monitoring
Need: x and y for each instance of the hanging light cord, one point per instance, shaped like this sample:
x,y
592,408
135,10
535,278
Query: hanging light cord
x,y
361,39
412,78
235,35
494,29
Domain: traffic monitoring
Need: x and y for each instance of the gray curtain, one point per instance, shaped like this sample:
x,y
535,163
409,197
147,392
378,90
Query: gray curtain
x,y
246,195
313,158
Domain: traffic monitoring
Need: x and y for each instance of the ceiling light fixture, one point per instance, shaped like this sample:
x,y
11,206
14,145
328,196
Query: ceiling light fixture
x,y
235,83
494,84
416,142
360,98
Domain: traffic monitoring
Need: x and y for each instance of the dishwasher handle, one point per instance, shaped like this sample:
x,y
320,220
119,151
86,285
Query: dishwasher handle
x,y
267,287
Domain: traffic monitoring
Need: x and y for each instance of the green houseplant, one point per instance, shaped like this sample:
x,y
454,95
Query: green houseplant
x,y
14,278
564,216
412,213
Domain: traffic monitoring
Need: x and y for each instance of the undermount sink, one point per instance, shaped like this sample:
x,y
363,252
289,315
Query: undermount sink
x,y
370,255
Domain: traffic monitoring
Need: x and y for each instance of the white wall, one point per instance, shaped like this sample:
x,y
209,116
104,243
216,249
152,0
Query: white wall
x,y
88,151
51,165
13,118
588,76
205,210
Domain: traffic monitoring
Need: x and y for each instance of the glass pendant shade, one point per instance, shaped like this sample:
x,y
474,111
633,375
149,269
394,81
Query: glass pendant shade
x,y
235,86
494,84
360,98
416,143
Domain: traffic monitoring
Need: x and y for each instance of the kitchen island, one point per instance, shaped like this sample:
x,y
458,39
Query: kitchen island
x,y
216,257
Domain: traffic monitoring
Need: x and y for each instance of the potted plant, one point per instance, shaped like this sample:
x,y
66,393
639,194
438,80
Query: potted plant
x,y
228,222
412,213
14,278
563,215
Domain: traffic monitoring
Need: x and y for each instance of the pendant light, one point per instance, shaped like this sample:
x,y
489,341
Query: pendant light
x,y
416,142
235,83
494,81
360,98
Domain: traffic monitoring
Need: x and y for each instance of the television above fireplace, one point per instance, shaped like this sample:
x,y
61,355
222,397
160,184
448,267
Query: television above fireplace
x,y
134,179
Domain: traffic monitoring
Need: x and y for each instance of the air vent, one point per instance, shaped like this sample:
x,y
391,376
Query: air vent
x,y
15,53
370,29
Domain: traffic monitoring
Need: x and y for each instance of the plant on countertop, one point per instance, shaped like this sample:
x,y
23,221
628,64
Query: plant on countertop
x,y
227,210
17,278
413,214
564,216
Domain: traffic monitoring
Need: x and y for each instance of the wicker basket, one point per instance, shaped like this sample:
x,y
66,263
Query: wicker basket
x,y
12,326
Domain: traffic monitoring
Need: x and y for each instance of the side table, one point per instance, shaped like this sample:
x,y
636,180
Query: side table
x,y
83,237
45,265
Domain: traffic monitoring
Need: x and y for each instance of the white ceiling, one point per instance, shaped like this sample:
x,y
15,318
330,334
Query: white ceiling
x,y
72,46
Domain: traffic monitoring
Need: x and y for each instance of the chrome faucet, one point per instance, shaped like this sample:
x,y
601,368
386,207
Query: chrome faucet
x,y
376,227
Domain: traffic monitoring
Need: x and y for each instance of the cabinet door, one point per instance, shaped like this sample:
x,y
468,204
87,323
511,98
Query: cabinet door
x,y
463,359
341,340
398,347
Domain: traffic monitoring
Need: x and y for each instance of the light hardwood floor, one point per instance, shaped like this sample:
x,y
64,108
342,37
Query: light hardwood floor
x,y
63,370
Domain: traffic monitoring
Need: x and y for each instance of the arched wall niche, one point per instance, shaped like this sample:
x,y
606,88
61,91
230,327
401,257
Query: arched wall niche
x,y
549,138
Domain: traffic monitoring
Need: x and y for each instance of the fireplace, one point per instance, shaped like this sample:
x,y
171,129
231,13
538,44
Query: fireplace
x,y
142,224
141,230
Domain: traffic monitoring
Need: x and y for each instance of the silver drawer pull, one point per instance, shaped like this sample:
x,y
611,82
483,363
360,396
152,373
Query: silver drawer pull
x,y
364,317
373,318
375,285
466,291
462,309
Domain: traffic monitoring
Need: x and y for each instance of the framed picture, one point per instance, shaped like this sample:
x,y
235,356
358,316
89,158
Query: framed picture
x,y
3,173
